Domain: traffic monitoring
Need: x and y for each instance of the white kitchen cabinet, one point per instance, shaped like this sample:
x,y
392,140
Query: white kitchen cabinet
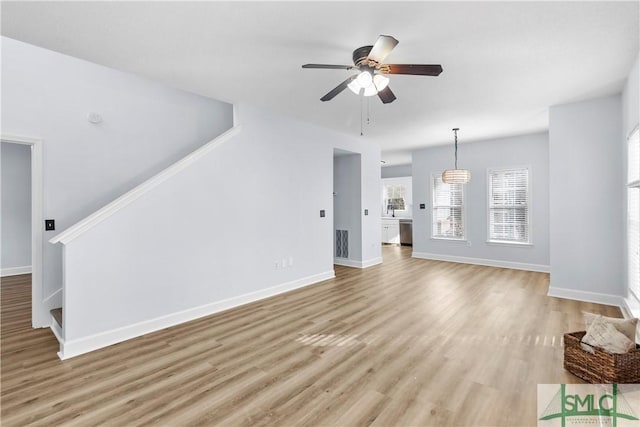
x,y
390,231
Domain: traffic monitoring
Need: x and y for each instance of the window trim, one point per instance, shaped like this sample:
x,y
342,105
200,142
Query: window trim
x,y
633,184
463,216
631,291
491,241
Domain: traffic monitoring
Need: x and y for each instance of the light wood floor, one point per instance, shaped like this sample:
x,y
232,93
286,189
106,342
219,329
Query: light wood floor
x,y
410,342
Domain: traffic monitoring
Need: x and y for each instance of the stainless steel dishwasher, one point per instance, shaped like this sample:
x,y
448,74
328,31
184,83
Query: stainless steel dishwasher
x,y
406,232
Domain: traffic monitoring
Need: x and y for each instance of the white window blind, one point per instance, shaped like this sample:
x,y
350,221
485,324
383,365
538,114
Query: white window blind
x,y
447,216
509,205
633,213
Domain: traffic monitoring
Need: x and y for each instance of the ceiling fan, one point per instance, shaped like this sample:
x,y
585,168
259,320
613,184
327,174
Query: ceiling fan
x,y
368,61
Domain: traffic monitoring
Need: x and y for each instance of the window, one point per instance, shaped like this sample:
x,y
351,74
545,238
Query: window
x,y
633,212
396,196
448,209
509,205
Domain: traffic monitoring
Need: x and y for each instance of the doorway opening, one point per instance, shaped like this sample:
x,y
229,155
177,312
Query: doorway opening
x,y
39,316
347,206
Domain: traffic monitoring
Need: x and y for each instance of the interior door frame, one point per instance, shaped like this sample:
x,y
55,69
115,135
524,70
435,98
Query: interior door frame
x,y
39,317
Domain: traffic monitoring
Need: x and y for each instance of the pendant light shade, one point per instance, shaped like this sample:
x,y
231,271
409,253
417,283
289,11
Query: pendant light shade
x,y
456,176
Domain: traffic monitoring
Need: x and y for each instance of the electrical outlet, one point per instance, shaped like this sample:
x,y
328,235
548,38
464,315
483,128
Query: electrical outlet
x,y
366,212
422,205
322,213
49,224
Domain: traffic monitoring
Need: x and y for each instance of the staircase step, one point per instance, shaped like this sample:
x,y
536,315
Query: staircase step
x,y
57,314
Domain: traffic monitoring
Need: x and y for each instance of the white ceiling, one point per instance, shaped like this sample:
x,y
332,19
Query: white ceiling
x,y
504,63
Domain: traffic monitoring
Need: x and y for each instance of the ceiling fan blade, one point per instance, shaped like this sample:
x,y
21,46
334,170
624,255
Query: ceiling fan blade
x,y
342,86
329,67
414,69
383,47
386,96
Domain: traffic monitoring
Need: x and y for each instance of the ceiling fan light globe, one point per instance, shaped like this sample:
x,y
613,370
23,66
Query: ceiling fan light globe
x,y
380,81
355,87
365,79
370,91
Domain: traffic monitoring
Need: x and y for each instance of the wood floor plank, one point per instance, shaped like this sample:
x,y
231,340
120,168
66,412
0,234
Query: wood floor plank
x,y
409,342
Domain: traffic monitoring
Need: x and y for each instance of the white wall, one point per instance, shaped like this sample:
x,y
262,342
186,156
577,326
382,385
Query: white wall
x,y
587,199
371,225
527,150
347,172
16,208
176,252
146,127
396,171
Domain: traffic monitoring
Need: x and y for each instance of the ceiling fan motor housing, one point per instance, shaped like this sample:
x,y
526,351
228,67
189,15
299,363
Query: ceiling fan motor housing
x,y
360,54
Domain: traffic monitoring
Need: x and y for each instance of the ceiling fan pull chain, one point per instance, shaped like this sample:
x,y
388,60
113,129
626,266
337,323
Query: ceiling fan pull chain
x,y
361,114
368,120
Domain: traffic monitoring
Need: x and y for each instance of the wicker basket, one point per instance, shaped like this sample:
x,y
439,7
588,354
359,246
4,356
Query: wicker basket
x,y
601,367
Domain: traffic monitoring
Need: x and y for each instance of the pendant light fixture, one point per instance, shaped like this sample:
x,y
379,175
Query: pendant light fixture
x,y
456,176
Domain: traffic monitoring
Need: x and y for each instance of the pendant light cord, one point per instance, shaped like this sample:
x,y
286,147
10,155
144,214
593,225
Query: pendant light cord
x,y
455,132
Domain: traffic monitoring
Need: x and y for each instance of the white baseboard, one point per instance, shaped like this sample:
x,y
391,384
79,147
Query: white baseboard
x,y
357,264
345,262
371,262
14,271
628,306
632,307
586,296
72,348
482,261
